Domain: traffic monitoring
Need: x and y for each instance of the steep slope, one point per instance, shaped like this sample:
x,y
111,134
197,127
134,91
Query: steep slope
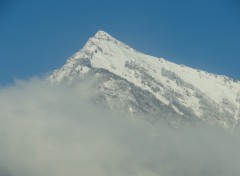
x,y
137,83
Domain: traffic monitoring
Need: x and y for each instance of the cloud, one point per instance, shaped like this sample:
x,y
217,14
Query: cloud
x,y
49,131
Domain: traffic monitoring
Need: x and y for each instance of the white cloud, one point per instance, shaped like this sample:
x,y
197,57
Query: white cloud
x,y
49,131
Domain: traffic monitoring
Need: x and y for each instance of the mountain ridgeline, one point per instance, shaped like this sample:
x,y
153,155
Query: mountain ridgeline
x,y
131,82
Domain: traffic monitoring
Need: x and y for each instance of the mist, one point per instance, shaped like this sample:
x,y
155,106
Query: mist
x,y
49,130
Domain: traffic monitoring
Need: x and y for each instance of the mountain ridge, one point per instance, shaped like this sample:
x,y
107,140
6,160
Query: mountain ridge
x,y
188,92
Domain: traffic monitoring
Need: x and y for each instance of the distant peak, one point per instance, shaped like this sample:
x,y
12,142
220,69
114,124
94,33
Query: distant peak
x,y
102,35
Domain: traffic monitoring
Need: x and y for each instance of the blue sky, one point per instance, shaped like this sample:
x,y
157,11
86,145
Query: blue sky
x,y
37,36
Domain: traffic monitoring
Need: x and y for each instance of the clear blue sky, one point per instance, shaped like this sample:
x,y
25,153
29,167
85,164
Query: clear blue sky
x,y
37,36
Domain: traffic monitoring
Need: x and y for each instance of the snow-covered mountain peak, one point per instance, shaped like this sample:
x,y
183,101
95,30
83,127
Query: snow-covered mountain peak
x,y
104,39
186,91
102,35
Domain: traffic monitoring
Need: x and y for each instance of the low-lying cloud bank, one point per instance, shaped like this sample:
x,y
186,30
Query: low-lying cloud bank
x,y
57,131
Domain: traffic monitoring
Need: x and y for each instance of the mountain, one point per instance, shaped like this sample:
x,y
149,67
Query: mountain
x,y
129,81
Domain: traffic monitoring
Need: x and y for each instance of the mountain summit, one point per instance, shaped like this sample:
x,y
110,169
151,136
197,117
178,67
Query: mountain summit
x,y
102,35
136,83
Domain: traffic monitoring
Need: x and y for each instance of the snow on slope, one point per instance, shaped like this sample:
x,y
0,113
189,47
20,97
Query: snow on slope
x,y
174,85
